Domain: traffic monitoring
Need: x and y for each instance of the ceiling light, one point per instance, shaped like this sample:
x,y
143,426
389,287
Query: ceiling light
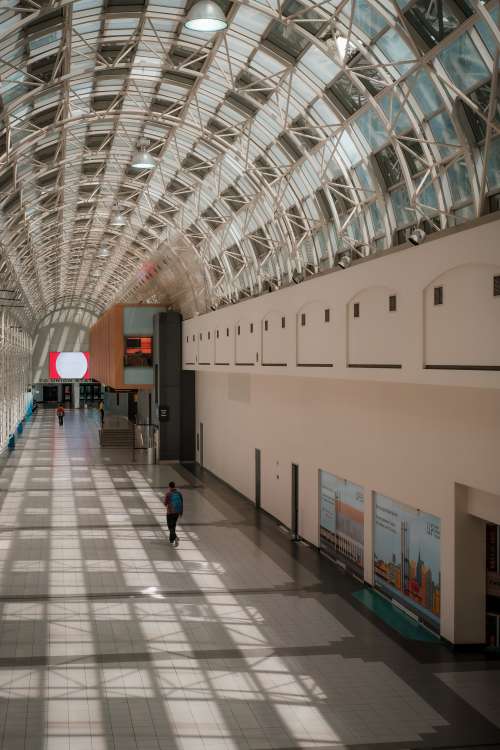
x,y
205,16
142,158
117,218
103,252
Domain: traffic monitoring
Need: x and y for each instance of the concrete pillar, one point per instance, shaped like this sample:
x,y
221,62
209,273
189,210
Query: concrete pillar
x,y
173,394
469,611
76,395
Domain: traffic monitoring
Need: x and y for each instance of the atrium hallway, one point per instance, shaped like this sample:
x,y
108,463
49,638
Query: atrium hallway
x,y
113,640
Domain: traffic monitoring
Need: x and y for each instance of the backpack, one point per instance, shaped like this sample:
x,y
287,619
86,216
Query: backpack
x,y
176,502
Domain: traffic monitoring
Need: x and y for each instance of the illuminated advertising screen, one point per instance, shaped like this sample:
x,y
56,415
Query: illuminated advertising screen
x,y
69,365
342,521
407,551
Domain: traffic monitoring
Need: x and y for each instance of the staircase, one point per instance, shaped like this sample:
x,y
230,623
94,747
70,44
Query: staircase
x,y
116,433
116,438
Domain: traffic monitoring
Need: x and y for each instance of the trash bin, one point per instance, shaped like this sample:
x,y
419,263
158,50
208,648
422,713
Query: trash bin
x,y
12,441
20,428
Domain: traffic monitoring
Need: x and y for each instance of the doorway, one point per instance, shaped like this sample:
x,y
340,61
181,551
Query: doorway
x,y
295,502
50,393
493,585
257,479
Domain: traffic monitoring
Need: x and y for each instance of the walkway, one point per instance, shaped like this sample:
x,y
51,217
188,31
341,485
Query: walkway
x,y
112,640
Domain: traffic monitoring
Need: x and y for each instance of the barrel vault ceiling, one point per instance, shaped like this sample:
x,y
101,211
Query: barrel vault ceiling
x,y
305,132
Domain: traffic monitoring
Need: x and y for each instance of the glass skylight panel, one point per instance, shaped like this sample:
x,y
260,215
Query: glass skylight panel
x,y
458,180
485,32
348,149
400,204
433,20
428,199
316,63
389,165
372,128
424,92
393,110
444,134
251,20
493,164
396,50
463,64
364,16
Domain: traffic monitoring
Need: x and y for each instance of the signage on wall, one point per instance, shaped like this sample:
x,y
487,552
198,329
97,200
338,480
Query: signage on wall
x,y
342,521
69,365
407,561
164,413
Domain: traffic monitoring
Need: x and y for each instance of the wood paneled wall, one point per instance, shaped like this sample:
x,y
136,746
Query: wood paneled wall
x,y
106,348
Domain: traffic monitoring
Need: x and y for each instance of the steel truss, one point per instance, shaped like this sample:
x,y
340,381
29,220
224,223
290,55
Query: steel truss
x,y
306,130
15,374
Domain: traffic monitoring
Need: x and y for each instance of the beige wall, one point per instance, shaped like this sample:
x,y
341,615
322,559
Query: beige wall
x,y
418,336
412,443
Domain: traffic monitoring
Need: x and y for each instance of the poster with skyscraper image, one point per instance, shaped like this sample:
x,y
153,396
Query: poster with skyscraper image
x,y
407,557
342,521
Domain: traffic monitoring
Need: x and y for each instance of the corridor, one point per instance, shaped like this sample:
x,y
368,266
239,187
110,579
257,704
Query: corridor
x,y
113,640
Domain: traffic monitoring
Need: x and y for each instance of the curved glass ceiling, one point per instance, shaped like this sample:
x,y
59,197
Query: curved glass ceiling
x,y
304,131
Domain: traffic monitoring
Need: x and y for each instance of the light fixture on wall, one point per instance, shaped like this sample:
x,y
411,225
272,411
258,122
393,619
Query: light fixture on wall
x,y
206,15
117,217
417,236
142,159
344,260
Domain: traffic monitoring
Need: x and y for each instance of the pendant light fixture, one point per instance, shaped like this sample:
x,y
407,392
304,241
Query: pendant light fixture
x,y
117,217
206,15
142,158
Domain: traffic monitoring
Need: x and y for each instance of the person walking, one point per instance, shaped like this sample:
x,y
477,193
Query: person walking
x,y
174,503
60,414
101,411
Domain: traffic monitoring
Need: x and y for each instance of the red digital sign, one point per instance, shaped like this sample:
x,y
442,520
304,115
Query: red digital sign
x,y
69,365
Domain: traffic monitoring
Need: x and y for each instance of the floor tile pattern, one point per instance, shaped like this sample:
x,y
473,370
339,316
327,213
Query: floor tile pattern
x,y
110,639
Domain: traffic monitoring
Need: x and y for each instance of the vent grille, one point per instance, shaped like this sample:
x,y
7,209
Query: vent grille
x,y
496,286
356,309
283,322
303,319
327,315
266,325
392,303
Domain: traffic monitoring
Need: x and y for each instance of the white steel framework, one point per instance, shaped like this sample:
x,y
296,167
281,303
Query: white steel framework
x,y
15,374
304,131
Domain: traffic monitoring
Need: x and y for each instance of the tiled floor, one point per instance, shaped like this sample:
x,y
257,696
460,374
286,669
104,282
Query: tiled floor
x,y
110,639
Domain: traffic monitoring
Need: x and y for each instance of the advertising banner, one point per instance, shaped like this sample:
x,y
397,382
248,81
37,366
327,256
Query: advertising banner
x,y
407,557
69,365
342,521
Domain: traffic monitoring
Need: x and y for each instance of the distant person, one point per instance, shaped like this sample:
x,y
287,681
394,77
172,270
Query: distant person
x,y
60,414
101,411
174,502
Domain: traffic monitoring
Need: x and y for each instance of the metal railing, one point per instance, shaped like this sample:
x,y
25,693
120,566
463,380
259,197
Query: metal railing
x,y
146,439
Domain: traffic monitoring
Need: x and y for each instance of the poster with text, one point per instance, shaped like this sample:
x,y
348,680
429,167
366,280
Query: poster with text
x,y
342,520
407,557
